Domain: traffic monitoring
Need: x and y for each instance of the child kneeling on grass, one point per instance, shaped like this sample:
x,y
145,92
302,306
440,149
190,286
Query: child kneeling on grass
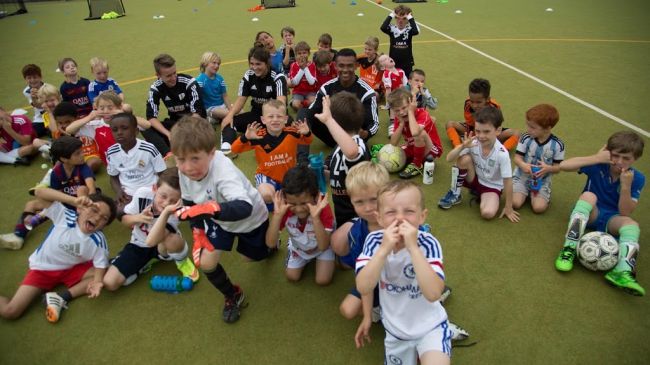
x,y
610,196
74,253
155,233
407,264
308,218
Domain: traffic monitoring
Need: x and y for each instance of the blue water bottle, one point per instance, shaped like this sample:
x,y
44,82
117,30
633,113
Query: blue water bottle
x,y
535,183
317,165
171,283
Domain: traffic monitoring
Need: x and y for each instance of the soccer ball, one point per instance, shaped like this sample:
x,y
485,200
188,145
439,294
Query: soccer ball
x,y
598,251
391,157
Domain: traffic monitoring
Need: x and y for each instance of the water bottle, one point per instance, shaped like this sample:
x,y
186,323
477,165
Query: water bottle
x,y
171,283
535,183
317,165
427,174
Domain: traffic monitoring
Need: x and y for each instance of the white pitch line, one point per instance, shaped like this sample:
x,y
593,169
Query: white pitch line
x,y
532,77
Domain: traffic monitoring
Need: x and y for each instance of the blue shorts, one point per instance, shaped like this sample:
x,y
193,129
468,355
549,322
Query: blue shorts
x,y
602,220
375,295
132,258
263,179
250,244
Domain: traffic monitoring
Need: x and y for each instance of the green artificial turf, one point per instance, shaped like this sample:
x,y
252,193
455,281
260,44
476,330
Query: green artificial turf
x,y
506,292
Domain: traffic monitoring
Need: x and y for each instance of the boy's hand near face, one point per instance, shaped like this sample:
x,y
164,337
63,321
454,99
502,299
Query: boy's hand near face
x,y
302,127
317,208
280,206
391,238
326,115
252,131
603,156
409,235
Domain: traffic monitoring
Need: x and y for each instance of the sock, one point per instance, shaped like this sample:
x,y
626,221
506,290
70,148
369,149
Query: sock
x,y
628,248
20,230
452,133
511,143
220,280
179,256
6,158
229,134
418,156
66,295
460,180
577,223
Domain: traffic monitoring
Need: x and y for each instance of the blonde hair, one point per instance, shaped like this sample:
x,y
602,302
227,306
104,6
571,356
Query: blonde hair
x,y
98,62
274,103
366,175
396,186
207,58
192,134
398,97
47,91
372,42
109,95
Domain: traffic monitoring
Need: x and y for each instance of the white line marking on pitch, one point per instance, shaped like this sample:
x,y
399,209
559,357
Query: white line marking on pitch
x,y
532,77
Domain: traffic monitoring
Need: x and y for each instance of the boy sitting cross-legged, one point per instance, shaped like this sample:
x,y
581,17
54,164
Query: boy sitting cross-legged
x,y
483,167
155,233
74,253
221,205
610,196
308,218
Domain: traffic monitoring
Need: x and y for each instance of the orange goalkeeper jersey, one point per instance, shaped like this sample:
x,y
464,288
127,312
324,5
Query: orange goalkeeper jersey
x,y
274,155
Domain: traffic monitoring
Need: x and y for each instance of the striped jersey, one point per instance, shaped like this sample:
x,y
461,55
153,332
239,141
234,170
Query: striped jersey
x,y
181,99
262,89
533,152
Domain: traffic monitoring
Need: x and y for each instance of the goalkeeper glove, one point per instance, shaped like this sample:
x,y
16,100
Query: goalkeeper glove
x,y
200,242
204,211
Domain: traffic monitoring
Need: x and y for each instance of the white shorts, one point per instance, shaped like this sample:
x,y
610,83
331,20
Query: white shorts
x,y
520,185
295,261
406,352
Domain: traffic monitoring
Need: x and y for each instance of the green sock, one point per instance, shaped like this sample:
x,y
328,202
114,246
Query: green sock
x,y
628,248
577,223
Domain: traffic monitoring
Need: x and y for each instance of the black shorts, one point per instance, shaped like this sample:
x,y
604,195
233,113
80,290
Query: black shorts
x,y
132,258
250,244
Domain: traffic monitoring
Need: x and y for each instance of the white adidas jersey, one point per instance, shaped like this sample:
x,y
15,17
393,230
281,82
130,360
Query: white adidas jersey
x,y
224,183
406,313
66,246
493,168
136,168
142,199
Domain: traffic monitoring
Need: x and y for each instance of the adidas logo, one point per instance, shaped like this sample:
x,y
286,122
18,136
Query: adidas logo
x,y
167,98
73,249
253,87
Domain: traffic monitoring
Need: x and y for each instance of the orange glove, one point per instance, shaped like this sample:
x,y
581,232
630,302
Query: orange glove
x,y
204,210
200,242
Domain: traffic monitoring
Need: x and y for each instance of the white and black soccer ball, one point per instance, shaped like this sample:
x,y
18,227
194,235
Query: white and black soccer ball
x,y
393,158
598,251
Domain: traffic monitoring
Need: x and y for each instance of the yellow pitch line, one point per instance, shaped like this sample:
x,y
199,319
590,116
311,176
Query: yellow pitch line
x,y
136,81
